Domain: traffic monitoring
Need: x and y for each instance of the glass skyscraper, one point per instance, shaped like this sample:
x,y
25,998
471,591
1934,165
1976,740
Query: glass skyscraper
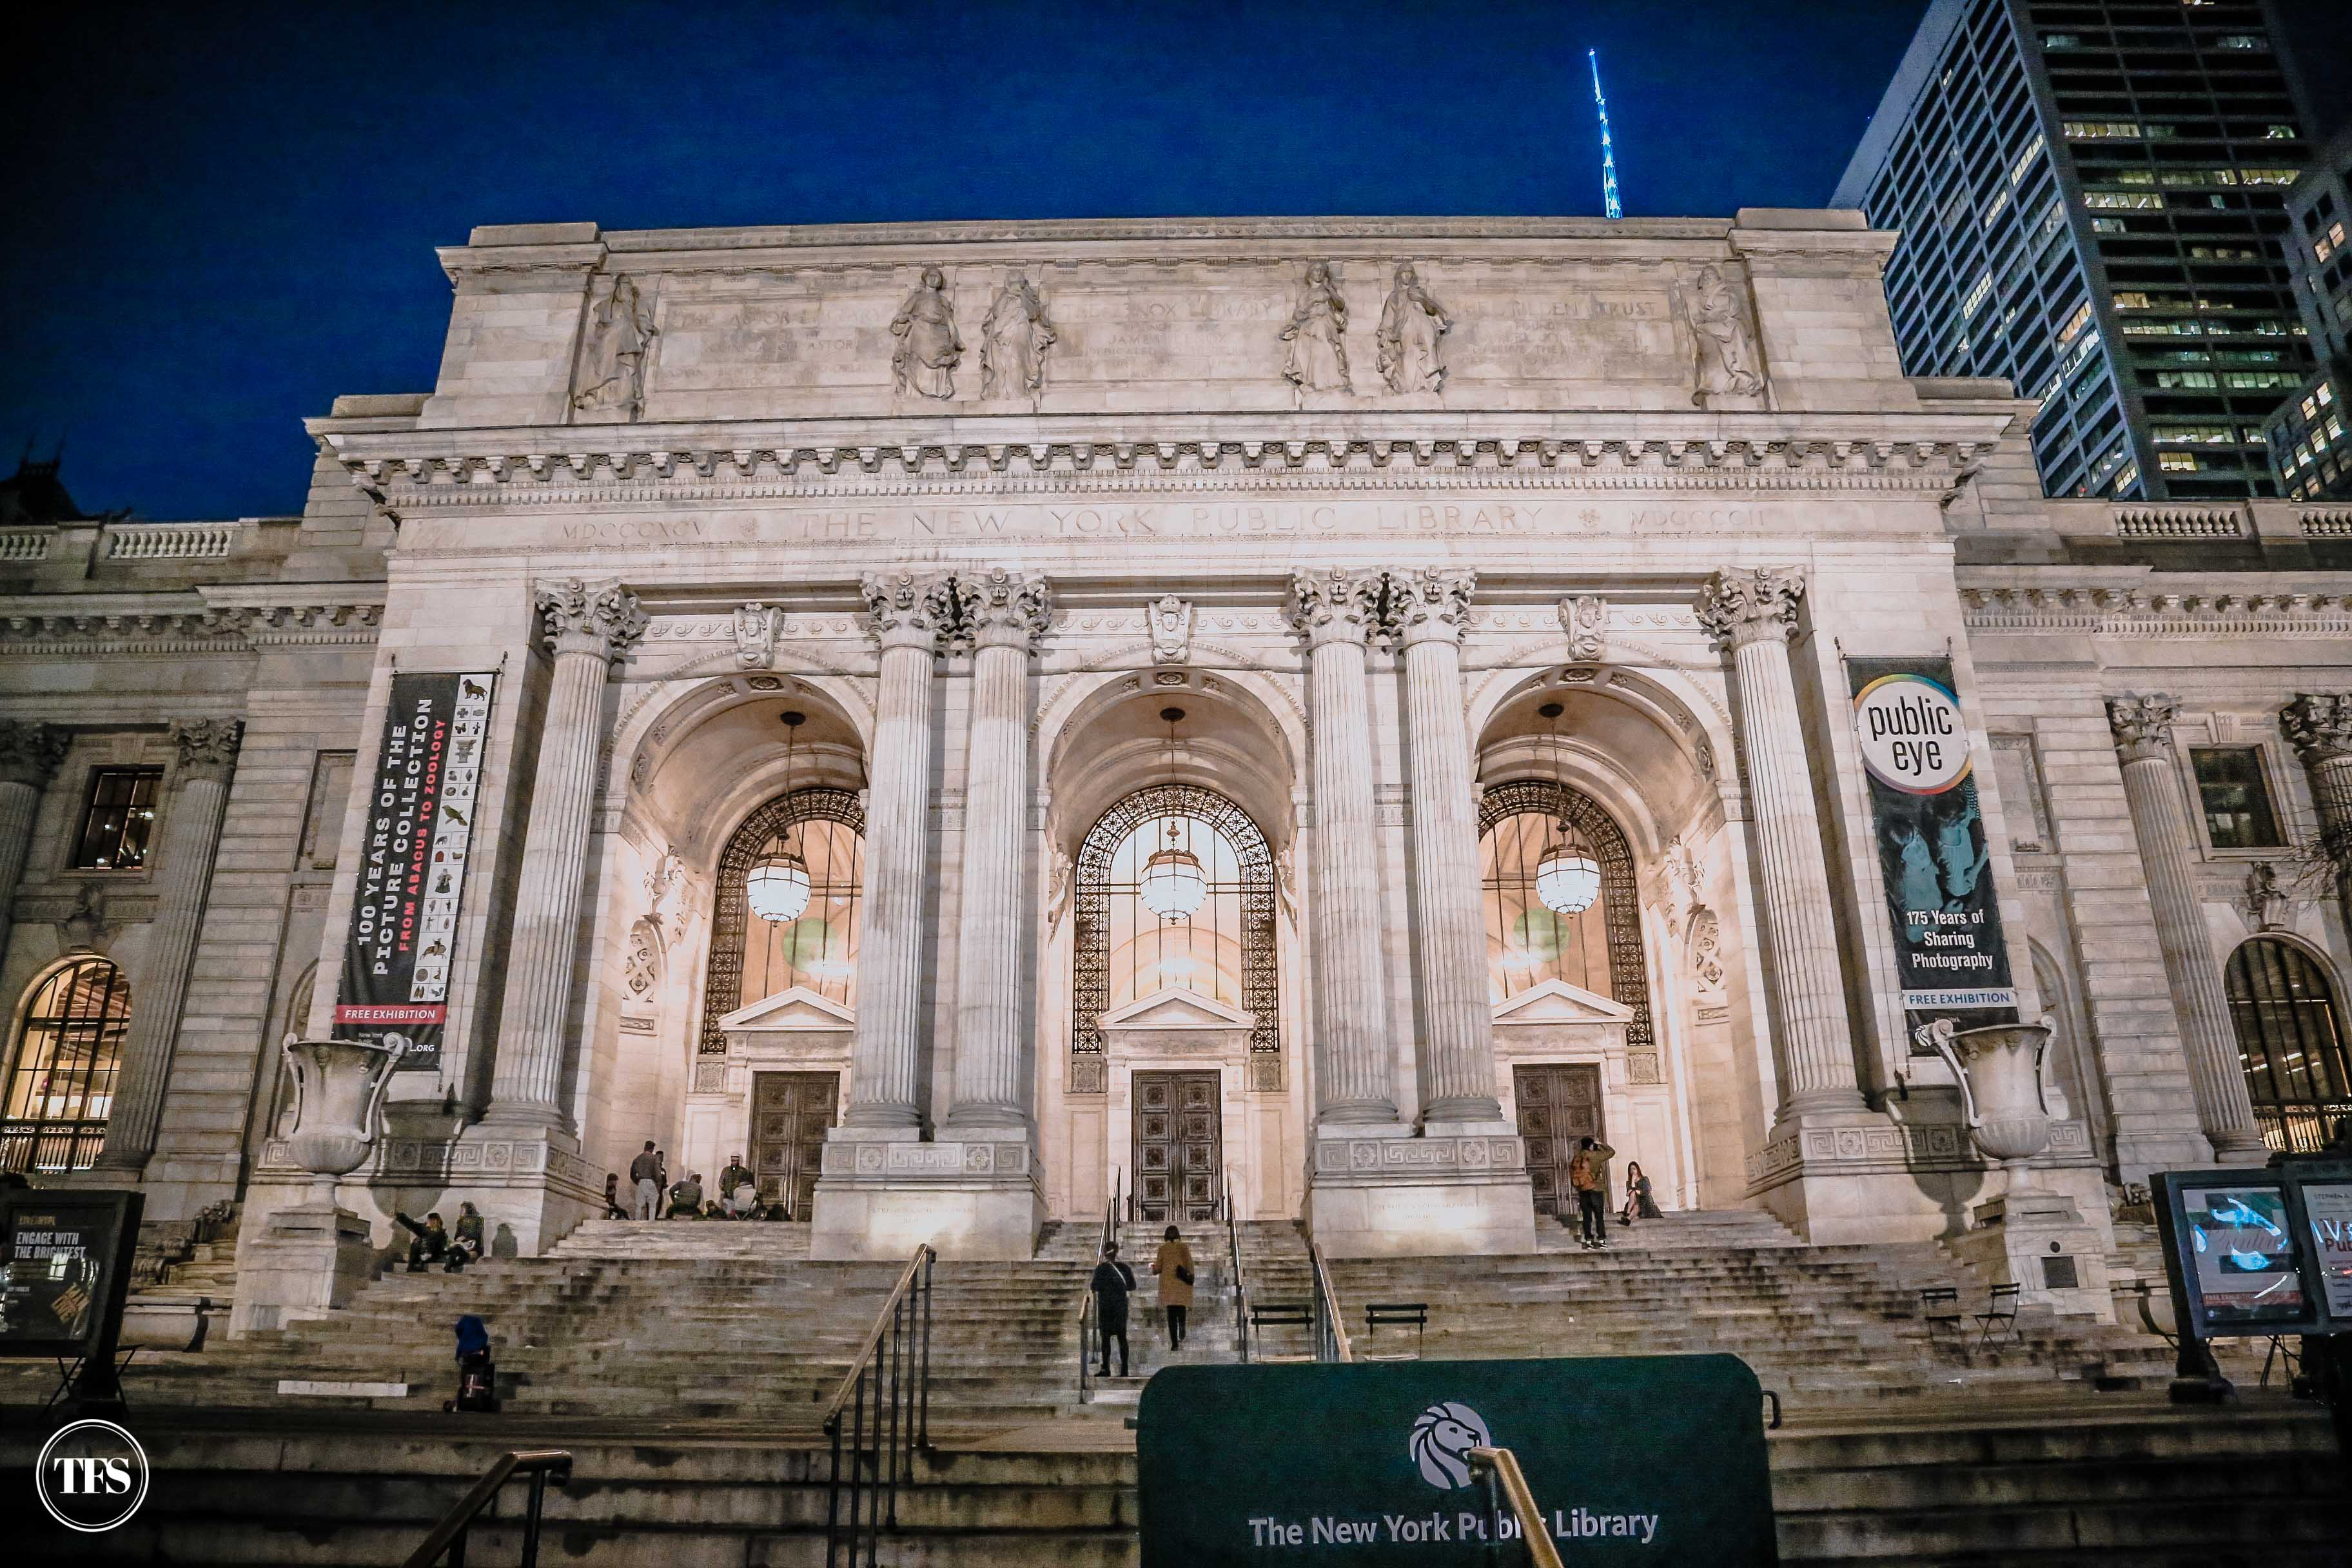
x,y
2091,202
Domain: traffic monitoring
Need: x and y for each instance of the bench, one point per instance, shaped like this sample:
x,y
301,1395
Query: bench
x,y
1379,1315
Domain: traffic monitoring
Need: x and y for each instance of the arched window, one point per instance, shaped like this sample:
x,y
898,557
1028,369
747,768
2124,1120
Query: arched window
x,y
2291,1041
69,1047
1597,950
751,958
1225,949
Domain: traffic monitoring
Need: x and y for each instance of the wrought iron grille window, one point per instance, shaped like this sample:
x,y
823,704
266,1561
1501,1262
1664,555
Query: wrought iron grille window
x,y
1225,949
2291,1042
61,1075
826,829
118,819
1599,950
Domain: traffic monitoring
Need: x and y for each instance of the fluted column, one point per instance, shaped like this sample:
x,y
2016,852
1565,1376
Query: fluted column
x,y
1353,1080
29,755
906,614
1753,611
2143,727
1450,935
2319,727
1004,613
586,628
184,876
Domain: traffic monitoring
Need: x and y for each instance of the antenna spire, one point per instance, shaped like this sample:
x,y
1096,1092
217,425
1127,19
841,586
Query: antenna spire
x,y
1607,152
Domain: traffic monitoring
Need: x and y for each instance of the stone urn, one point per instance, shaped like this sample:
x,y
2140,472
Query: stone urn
x,y
338,1085
2003,1071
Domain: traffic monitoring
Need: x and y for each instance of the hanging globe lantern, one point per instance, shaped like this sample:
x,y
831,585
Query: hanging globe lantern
x,y
777,887
1567,880
1173,885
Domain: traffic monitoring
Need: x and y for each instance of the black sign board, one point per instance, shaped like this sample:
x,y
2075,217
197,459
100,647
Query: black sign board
x,y
2257,1253
65,1272
1933,853
1647,1459
412,865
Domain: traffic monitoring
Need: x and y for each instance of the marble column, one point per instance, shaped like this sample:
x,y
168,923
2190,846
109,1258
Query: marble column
x,y
183,878
29,755
2143,727
1354,1081
1004,613
907,613
2319,727
1430,607
586,627
1753,612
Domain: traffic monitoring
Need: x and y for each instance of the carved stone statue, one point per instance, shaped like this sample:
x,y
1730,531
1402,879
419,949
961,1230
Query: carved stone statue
x,y
1411,324
1014,338
612,383
928,347
755,635
1585,618
1059,884
1317,334
1726,356
1171,619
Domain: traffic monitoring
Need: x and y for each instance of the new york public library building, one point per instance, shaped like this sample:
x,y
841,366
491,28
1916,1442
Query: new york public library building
x,y
1305,719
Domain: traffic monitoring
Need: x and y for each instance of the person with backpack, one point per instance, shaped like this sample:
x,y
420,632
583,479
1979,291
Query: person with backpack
x,y
1173,1265
1112,1283
1588,1173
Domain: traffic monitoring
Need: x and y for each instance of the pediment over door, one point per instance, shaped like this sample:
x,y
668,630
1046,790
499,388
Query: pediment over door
x,y
1556,1002
796,1010
1178,1022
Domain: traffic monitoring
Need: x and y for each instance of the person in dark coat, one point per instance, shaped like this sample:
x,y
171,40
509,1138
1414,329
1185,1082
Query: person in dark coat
x,y
1112,1283
432,1243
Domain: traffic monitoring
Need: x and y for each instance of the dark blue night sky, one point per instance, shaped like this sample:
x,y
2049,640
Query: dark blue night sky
x,y
225,216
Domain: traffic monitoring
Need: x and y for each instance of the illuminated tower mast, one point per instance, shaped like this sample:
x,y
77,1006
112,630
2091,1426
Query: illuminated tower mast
x,y
1608,153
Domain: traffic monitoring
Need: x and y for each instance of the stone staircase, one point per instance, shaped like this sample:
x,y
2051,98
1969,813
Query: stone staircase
x,y
2141,1486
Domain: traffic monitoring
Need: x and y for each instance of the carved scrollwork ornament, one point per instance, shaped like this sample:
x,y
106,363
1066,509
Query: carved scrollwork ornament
x,y
2318,725
1585,618
1749,604
2142,725
30,751
909,609
1430,603
1171,622
606,620
207,747
1000,608
756,625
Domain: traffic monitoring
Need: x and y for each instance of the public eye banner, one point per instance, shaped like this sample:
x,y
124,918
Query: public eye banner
x,y
411,869
1950,957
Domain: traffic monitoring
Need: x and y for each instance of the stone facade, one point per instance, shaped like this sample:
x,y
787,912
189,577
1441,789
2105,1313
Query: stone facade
x,y
979,502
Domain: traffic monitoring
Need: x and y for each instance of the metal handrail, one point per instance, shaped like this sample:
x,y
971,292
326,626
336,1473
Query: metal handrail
x,y
1331,1338
1086,1298
894,1362
541,1464
1241,1287
1500,1467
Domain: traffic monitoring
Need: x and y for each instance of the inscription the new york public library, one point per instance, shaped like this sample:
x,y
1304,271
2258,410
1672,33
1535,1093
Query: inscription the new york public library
x,y
1206,520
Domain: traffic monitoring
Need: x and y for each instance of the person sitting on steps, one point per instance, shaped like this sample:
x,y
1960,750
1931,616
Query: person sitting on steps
x,y
1112,1283
686,1197
1639,1204
431,1246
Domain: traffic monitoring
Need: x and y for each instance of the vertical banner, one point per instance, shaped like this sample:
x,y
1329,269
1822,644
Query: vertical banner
x,y
412,870
1950,957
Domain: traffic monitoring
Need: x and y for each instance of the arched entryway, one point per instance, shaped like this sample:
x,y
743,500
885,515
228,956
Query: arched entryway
x,y
63,1054
2291,1040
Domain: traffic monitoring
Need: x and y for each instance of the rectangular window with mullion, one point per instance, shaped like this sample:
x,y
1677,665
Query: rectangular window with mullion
x,y
118,819
2235,797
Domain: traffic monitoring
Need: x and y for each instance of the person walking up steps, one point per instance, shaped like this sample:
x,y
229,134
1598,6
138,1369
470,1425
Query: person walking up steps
x,y
1173,1265
1112,1283
1588,1173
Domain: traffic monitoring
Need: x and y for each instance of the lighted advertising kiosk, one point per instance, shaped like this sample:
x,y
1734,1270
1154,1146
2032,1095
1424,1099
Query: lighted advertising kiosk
x,y
65,1274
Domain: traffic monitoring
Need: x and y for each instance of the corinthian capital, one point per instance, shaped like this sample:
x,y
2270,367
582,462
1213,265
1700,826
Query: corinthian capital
x,y
1747,604
605,620
2142,725
1004,609
1429,603
207,746
1334,605
2318,725
909,609
30,752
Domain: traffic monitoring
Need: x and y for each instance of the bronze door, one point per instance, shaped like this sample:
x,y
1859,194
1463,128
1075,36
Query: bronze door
x,y
1179,1145
1557,1106
790,1113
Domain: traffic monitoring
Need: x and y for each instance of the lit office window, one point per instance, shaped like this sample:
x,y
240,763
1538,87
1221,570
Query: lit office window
x,y
2235,797
118,819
